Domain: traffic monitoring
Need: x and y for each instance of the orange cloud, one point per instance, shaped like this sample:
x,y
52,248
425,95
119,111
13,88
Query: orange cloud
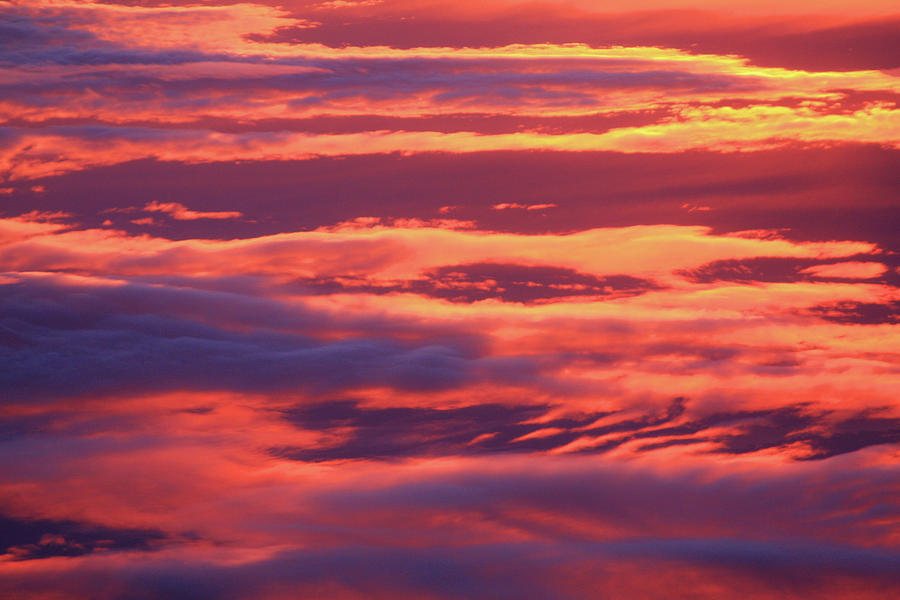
x,y
181,213
847,270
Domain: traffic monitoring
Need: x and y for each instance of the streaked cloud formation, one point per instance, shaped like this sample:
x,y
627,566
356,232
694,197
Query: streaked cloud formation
x,y
430,300
162,82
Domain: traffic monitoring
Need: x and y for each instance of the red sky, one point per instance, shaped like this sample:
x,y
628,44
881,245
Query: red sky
x,y
428,300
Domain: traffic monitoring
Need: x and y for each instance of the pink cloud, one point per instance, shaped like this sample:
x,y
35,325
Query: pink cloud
x,y
181,213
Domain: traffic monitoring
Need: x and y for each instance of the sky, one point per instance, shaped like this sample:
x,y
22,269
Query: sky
x,y
449,300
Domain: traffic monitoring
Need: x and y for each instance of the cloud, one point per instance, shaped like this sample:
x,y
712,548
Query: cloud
x,y
839,193
862,313
54,151
766,34
182,213
205,83
245,353
847,270
390,433
535,529
508,282
82,340
409,249
507,205
784,270
29,539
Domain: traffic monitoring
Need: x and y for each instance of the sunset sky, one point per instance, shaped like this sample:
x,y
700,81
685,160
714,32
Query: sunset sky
x,y
450,300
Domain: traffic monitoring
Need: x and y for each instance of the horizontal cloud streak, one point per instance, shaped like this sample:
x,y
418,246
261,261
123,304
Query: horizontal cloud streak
x,y
702,101
54,348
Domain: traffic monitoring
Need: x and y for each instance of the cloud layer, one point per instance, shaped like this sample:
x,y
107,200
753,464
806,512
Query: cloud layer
x,y
433,300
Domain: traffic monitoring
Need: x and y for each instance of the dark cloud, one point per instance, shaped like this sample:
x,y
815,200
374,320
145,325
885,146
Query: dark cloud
x,y
819,435
487,80
229,304
386,433
330,82
399,432
20,33
508,282
154,353
844,192
852,434
838,502
858,313
75,341
30,539
760,269
788,270
56,39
